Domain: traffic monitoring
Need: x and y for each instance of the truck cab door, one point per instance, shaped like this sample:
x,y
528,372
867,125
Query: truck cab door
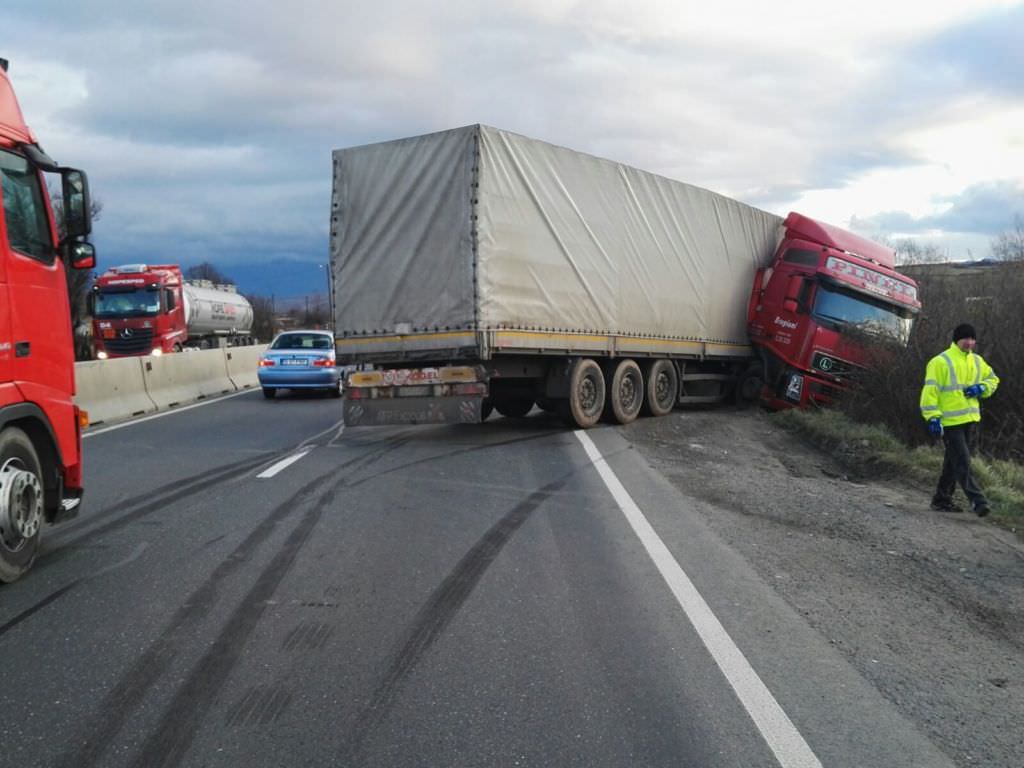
x,y
38,312
6,344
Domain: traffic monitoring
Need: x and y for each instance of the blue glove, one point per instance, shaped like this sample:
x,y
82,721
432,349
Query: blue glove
x,y
935,427
975,390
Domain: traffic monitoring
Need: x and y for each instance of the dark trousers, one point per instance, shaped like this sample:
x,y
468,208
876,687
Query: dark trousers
x,y
956,467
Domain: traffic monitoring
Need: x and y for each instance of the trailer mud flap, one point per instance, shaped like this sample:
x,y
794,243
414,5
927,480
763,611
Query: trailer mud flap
x,y
377,412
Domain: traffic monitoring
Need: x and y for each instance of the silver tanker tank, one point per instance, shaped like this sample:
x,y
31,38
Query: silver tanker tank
x,y
215,310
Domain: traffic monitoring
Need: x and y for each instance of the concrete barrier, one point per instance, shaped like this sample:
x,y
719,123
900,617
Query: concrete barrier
x,y
242,365
112,389
186,376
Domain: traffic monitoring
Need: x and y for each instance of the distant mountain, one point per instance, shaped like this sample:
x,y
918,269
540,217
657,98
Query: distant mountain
x,y
285,279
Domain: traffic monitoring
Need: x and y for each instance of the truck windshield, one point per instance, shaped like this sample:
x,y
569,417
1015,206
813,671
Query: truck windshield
x,y
851,310
127,303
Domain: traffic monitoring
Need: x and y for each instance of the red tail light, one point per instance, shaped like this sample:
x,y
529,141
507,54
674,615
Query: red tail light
x,y
324,362
264,363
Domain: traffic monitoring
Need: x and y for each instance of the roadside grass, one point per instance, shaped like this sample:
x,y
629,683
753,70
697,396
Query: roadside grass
x,y
873,449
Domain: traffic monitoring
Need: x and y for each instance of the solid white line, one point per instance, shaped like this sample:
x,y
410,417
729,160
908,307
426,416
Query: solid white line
x,y
778,730
282,464
171,412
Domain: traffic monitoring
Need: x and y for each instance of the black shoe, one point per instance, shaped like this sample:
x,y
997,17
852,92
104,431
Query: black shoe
x,y
982,510
946,506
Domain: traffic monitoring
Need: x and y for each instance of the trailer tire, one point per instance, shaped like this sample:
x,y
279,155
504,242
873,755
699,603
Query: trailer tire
x,y
21,503
585,404
661,388
486,409
624,392
514,407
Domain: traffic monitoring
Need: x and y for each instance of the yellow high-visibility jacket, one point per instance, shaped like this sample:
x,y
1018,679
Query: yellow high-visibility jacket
x,y
944,380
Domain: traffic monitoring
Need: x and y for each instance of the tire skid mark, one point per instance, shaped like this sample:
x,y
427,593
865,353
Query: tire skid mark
x,y
178,725
437,613
28,612
458,452
262,705
145,504
126,696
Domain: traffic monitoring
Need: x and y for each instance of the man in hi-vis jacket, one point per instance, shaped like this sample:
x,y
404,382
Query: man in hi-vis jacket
x,y
954,382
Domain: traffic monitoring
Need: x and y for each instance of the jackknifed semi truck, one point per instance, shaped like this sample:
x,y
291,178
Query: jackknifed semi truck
x,y
475,269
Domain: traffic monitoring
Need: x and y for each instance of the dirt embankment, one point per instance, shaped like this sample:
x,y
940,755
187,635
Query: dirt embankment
x,y
928,606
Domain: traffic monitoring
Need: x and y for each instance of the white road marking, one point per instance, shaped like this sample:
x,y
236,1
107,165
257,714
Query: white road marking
x,y
171,412
778,730
282,464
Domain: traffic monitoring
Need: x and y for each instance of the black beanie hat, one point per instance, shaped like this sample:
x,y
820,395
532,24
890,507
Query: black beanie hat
x,y
964,331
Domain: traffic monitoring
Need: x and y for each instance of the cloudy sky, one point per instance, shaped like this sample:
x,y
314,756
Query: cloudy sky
x,y
206,126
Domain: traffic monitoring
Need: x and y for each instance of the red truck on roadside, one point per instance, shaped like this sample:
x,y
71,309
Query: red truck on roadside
x,y
40,426
151,309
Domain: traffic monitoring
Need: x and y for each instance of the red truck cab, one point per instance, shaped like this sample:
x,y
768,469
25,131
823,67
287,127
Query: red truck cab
x,y
138,309
824,288
40,426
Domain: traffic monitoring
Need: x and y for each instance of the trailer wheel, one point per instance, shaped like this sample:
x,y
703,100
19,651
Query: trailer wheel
x,y
513,407
585,403
21,503
661,388
486,409
625,392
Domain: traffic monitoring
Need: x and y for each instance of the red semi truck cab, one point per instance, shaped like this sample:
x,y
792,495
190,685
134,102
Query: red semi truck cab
x,y
824,288
138,309
150,309
40,426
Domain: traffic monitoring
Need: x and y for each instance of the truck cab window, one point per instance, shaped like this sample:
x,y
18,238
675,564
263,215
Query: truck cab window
x,y
169,299
28,226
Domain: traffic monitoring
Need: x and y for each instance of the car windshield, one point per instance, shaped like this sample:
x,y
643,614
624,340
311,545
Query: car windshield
x,y
127,303
851,310
302,341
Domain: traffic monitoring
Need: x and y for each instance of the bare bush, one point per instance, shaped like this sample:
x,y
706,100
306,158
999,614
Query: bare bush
x,y
991,299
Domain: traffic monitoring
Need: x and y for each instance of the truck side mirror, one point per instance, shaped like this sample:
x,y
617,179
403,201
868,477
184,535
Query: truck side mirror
x,y
794,288
77,206
81,255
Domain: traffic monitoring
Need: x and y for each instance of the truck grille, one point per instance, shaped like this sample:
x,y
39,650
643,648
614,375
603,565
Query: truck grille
x,y
139,343
839,369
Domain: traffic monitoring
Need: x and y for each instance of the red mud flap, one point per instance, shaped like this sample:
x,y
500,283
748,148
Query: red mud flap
x,y
378,412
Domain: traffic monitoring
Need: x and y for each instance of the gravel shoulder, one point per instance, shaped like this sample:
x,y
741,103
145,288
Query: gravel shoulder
x,y
927,606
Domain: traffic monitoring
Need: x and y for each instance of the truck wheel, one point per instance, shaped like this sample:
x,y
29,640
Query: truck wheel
x,y
661,388
269,393
625,392
749,385
486,409
177,348
585,404
21,503
513,407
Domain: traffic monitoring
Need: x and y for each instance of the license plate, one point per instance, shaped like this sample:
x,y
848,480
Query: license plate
x,y
295,361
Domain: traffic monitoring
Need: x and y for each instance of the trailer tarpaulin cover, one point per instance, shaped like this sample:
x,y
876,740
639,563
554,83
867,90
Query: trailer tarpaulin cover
x,y
561,241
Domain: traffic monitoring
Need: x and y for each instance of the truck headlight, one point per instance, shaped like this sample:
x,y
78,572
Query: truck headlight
x,y
157,352
795,388
101,355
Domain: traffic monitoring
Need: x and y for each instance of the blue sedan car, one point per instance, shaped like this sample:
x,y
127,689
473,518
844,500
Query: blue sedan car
x,y
300,360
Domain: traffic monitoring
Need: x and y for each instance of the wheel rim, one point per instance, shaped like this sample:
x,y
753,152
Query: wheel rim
x,y
663,388
629,390
21,505
589,400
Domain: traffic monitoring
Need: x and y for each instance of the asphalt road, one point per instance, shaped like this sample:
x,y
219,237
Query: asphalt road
x,y
425,596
